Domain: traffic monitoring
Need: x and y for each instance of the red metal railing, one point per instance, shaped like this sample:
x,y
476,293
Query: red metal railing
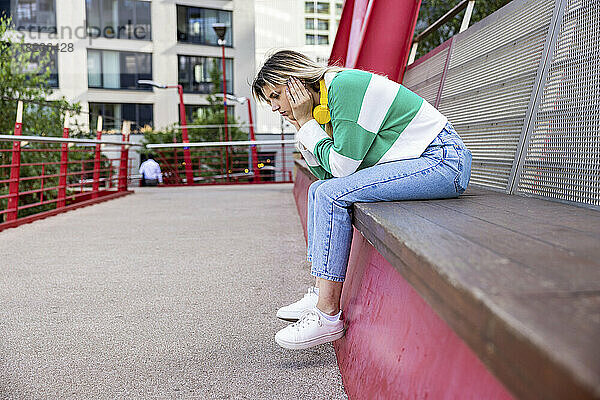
x,y
41,175
270,161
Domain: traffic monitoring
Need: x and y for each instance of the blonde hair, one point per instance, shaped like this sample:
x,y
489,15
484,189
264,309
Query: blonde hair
x,y
283,64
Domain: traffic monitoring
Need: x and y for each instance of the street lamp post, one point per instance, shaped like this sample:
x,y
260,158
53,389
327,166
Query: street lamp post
x,y
220,30
187,159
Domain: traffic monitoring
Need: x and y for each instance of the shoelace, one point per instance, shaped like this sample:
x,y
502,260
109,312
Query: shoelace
x,y
306,318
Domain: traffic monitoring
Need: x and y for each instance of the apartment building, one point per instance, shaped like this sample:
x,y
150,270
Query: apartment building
x,y
101,48
307,26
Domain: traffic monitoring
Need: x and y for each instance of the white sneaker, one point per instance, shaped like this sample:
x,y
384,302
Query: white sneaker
x,y
310,330
295,310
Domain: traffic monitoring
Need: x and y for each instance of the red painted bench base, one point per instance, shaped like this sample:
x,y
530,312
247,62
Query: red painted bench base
x,y
396,346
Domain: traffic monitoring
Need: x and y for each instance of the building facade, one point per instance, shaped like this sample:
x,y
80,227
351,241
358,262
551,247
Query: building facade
x,y
101,48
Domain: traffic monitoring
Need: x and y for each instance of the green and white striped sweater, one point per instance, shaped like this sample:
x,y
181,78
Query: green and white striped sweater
x,y
374,119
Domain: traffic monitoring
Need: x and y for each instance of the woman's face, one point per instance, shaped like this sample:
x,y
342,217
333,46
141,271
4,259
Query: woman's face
x,y
279,101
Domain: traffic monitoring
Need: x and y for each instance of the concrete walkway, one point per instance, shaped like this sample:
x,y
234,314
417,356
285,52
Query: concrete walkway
x,y
167,293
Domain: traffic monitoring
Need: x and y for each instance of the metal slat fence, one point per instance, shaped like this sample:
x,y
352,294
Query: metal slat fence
x,y
561,159
522,88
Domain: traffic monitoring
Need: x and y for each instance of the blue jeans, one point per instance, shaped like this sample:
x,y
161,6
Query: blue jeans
x,y
442,171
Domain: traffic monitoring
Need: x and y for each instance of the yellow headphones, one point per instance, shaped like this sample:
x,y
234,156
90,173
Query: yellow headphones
x,y
321,112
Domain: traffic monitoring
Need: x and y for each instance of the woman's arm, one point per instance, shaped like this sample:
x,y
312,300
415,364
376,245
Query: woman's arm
x,y
311,161
342,155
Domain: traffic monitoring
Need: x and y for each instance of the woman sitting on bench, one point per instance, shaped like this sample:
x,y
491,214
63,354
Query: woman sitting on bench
x,y
366,139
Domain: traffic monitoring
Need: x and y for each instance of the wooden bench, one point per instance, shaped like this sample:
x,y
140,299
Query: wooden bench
x,y
517,279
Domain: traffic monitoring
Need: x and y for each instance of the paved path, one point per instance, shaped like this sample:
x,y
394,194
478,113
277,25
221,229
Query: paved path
x,y
167,293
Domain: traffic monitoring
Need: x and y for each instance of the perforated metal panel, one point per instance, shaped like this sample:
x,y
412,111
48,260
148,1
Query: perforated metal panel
x,y
488,89
562,159
424,79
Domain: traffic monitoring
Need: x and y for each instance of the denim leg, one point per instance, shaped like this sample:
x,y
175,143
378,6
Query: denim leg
x,y
432,176
310,218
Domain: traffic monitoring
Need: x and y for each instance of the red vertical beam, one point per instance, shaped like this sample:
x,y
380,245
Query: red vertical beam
x,y
15,169
253,147
96,184
339,50
381,52
187,159
225,109
42,184
81,176
110,173
438,98
378,50
122,187
64,166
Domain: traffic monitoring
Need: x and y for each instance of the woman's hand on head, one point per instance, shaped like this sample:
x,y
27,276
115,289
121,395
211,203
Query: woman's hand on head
x,y
300,100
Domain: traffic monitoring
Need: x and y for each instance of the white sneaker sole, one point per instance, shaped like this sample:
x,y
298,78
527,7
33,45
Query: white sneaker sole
x,y
330,337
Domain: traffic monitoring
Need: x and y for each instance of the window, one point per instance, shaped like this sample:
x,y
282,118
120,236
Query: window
x,y
195,73
323,24
310,39
309,23
322,8
47,58
113,115
322,39
119,19
309,7
194,25
338,8
200,111
118,69
32,15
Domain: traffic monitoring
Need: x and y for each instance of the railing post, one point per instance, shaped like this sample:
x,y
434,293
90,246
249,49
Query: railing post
x,y
124,158
413,52
15,170
110,174
96,184
42,184
64,166
467,17
255,170
187,159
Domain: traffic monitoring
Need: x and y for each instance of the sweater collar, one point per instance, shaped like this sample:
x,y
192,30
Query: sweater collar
x,y
328,78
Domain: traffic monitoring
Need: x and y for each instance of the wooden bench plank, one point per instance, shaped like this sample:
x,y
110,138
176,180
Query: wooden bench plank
x,y
566,326
569,239
578,218
556,268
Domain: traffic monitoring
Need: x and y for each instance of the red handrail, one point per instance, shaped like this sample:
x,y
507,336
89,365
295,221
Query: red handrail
x,y
83,174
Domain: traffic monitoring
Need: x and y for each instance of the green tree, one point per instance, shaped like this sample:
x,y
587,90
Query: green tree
x,y
432,10
213,114
24,73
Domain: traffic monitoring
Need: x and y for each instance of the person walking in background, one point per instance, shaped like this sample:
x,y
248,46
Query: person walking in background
x,y
150,171
366,139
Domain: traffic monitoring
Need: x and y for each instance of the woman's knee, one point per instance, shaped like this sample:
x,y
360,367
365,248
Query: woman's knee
x,y
313,187
330,192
